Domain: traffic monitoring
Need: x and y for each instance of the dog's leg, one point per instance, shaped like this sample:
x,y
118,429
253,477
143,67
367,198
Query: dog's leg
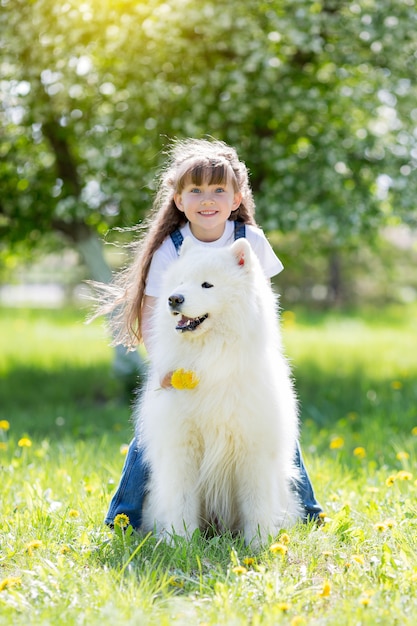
x,y
257,499
175,506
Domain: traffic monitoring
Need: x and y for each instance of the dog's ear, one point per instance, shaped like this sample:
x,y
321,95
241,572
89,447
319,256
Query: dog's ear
x,y
242,252
187,244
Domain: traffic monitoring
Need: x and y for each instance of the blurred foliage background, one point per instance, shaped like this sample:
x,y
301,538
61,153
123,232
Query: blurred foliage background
x,y
318,97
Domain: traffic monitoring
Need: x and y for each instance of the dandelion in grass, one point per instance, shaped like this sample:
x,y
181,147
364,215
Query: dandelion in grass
x,y
11,581
414,431
124,449
359,452
390,480
32,546
403,475
326,589
380,527
64,550
239,570
24,442
73,513
327,554
174,582
358,558
4,425
249,561
284,606
285,539
298,620
337,443
184,379
365,598
396,385
390,523
403,456
278,548
122,520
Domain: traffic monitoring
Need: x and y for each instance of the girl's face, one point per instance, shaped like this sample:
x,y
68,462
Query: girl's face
x,y
207,205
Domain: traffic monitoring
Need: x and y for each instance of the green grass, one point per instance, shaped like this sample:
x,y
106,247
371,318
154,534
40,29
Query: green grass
x,y
357,380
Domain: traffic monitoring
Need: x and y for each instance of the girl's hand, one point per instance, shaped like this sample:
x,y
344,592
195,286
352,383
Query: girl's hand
x,y
166,381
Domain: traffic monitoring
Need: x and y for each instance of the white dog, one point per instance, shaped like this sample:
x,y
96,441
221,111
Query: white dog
x,y
220,453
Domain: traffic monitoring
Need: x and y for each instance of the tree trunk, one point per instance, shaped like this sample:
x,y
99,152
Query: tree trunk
x,y
126,365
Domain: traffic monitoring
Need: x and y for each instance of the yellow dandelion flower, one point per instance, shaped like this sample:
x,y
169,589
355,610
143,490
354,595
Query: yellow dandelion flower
x,y
239,570
359,452
365,600
390,523
326,590
24,442
358,558
73,513
403,456
390,480
396,384
3,446
249,561
285,539
174,582
283,606
10,581
278,548
337,443
121,520
380,527
88,489
288,319
414,431
124,448
403,475
327,553
4,425
184,379
298,620
33,545
64,549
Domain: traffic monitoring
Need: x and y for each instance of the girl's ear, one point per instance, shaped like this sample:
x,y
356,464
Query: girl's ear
x,y
178,201
237,200
242,252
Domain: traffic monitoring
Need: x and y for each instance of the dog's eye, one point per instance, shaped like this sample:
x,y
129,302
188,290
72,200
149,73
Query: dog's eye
x,y
206,285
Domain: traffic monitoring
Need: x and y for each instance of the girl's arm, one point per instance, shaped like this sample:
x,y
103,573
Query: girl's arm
x,y
149,304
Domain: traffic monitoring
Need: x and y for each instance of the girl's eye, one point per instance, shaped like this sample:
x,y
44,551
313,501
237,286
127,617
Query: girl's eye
x,y
195,190
206,285
219,189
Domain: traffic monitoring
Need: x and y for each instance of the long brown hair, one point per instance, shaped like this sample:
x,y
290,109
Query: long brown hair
x,y
188,161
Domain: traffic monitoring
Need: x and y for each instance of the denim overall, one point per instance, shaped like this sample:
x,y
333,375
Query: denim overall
x,y
131,491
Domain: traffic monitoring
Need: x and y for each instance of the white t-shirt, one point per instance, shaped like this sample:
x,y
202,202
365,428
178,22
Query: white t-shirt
x,y
167,253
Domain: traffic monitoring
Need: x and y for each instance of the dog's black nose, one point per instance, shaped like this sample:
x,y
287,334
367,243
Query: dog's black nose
x,y
175,300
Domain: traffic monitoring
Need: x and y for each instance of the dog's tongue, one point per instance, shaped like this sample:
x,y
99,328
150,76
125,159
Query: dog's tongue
x,y
182,323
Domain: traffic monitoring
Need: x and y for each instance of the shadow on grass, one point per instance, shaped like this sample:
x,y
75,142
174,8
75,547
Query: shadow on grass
x,y
70,401
89,401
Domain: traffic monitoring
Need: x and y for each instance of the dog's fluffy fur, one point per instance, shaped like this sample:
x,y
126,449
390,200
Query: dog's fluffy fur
x,y
221,453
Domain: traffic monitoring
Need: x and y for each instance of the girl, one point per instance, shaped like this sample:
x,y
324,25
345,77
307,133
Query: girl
x,y
204,194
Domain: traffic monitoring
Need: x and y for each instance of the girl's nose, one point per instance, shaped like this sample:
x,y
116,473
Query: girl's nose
x,y
207,199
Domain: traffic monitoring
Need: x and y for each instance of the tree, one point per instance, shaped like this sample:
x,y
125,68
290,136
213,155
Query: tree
x,y
319,98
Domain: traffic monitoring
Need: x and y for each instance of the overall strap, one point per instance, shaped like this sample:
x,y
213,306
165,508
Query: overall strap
x,y
240,230
177,239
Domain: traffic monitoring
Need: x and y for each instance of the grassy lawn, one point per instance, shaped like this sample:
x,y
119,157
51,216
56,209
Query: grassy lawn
x,y
64,420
